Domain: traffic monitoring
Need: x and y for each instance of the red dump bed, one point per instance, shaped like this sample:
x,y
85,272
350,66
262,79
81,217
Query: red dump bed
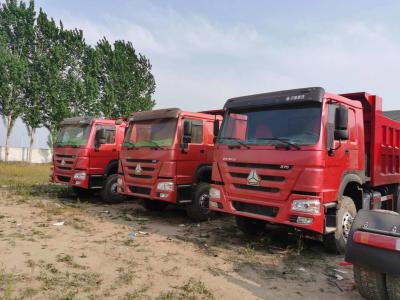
x,y
382,140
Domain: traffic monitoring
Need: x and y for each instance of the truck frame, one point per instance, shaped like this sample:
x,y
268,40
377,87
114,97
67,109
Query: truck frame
x,y
167,158
86,154
307,159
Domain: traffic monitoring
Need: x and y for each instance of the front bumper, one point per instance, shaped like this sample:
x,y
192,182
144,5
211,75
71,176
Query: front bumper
x,y
269,210
136,190
68,178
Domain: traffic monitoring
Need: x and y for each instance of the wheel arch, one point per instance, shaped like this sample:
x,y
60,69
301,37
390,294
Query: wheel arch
x,y
351,186
112,168
202,174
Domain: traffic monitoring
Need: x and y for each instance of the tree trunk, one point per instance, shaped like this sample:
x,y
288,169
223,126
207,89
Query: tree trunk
x,y
32,133
9,122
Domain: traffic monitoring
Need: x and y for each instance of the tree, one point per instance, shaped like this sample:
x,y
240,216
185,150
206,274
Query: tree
x,y
16,29
126,82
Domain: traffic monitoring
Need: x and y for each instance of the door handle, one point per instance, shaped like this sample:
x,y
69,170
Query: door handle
x,y
202,151
114,150
347,151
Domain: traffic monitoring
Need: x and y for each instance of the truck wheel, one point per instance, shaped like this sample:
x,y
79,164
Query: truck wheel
x,y
155,205
344,219
370,284
198,209
393,287
109,192
250,226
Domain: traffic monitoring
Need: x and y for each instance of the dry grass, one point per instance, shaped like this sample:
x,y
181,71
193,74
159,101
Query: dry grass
x,y
14,174
29,180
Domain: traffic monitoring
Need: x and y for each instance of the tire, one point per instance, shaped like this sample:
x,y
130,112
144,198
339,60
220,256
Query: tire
x,y
198,209
345,215
250,226
371,285
155,205
393,287
109,192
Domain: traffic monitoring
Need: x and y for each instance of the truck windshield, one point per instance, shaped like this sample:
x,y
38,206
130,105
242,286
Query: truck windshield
x,y
294,125
73,135
151,133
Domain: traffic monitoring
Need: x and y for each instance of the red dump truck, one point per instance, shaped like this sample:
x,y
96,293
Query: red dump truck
x,y
86,153
166,158
307,159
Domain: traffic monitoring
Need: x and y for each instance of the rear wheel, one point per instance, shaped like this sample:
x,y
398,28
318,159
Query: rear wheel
x,y
370,284
109,192
250,226
198,209
155,205
393,287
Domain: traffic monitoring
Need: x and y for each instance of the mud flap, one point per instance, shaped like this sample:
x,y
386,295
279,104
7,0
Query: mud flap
x,y
383,223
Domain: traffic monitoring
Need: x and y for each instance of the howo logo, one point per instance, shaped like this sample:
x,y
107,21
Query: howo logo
x,y
138,170
253,178
63,162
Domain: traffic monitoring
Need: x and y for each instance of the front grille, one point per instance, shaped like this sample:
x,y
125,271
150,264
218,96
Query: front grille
x,y
260,166
141,176
64,178
256,188
65,155
148,169
140,190
268,211
64,168
262,177
137,160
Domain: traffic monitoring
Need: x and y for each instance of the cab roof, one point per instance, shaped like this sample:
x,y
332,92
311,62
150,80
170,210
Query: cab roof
x,y
303,95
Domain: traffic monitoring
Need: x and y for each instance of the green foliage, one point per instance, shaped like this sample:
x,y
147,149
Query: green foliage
x,y
48,73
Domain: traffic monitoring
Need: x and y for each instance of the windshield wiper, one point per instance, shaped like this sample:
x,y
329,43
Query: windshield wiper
x,y
157,146
239,142
129,145
283,141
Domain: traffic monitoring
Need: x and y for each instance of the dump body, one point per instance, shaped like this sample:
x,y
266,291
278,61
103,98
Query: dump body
x,y
154,165
78,161
280,159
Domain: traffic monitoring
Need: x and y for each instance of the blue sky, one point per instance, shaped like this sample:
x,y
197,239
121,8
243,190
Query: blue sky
x,y
204,52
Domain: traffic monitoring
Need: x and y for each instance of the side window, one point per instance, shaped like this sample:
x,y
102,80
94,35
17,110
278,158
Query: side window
x,y
352,126
197,131
110,133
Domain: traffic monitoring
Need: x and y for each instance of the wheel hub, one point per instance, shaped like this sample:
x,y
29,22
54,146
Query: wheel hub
x,y
203,201
113,188
347,222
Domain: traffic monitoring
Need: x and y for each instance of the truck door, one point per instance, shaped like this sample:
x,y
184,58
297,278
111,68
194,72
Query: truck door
x,y
104,153
343,156
195,155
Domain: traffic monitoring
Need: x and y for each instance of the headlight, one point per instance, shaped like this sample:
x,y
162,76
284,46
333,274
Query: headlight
x,y
165,186
215,193
80,176
307,206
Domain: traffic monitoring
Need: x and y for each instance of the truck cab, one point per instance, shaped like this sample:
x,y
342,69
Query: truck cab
x,y
166,158
306,159
86,154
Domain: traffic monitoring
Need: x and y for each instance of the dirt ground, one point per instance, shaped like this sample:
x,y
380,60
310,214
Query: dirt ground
x,y
54,246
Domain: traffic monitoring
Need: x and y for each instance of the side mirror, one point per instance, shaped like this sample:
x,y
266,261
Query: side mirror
x,y
187,128
216,128
341,123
